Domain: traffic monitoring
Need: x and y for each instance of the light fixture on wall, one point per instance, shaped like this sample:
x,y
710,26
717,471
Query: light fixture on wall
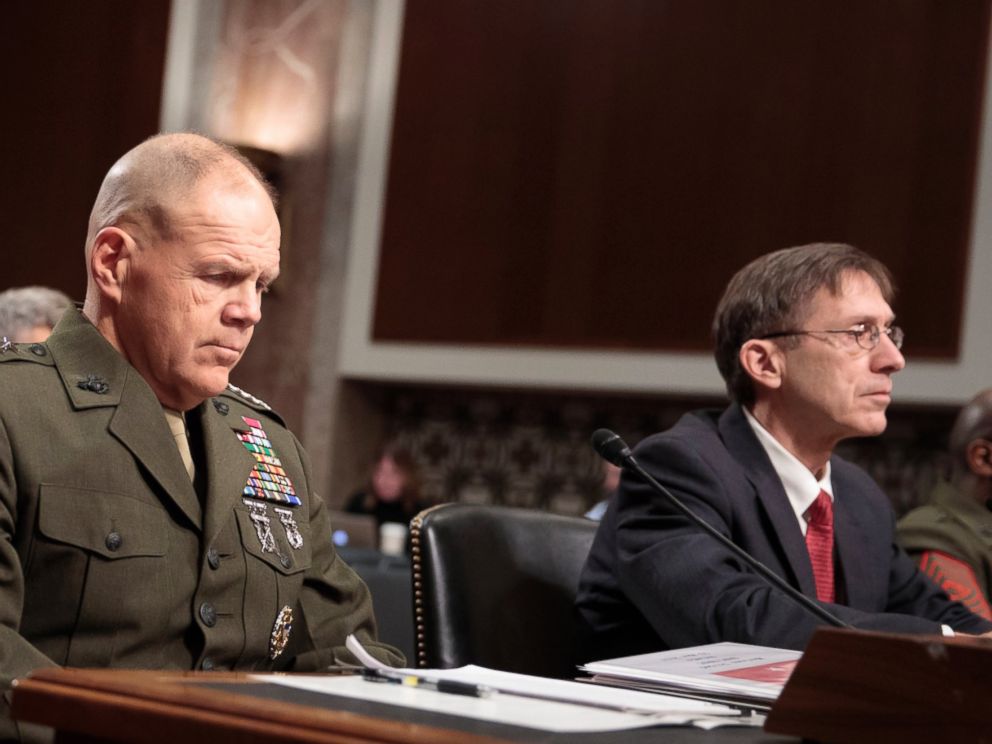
x,y
268,162
272,73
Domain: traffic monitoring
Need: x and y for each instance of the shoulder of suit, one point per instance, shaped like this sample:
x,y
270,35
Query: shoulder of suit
x,y
245,398
37,353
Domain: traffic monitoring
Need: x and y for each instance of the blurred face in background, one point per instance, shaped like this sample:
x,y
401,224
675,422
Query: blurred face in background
x,y
34,335
611,478
388,479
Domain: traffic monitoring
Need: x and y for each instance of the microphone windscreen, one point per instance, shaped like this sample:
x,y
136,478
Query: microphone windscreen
x,y
610,446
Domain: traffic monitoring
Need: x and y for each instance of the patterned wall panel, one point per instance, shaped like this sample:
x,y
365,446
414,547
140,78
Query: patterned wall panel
x,y
532,449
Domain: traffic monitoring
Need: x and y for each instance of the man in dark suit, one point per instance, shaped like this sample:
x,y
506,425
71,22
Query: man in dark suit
x,y
806,344
151,514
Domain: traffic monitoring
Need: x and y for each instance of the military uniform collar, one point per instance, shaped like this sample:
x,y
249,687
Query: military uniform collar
x,y
96,375
94,372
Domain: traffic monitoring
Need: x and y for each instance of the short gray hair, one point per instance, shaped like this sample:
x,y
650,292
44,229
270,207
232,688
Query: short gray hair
x,y
24,308
148,180
773,292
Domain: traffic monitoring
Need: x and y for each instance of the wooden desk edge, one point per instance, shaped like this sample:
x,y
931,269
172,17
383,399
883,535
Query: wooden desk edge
x,y
151,706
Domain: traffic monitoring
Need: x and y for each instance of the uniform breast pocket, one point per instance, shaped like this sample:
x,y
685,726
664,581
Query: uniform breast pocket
x,y
276,543
276,535
98,572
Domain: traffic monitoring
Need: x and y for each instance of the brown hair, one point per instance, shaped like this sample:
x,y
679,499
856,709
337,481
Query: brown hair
x,y
773,292
405,462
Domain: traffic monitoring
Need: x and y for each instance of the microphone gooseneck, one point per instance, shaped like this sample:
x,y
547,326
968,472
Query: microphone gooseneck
x,y
612,448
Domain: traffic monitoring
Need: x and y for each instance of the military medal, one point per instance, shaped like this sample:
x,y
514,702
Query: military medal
x,y
257,511
6,345
293,535
280,632
267,481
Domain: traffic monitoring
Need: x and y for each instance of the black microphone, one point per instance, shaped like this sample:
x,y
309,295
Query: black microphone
x,y
612,448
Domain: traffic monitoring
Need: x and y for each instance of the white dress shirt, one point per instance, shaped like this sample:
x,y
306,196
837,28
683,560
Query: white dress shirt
x,y
801,486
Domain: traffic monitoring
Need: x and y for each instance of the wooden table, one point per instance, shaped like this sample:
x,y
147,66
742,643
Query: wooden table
x,y
146,707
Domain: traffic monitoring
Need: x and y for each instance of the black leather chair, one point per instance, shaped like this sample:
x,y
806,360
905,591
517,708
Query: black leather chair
x,y
495,586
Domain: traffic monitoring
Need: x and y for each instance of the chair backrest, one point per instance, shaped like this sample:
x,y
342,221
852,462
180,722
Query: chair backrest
x,y
495,586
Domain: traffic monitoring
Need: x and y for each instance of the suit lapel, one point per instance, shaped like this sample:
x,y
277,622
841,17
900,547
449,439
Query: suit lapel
x,y
850,539
229,468
96,375
747,450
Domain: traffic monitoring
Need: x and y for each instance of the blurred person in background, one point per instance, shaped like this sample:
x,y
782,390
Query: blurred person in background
x,y
393,490
951,536
28,314
611,480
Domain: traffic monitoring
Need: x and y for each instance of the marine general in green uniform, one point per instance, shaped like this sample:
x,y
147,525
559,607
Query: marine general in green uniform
x,y
152,515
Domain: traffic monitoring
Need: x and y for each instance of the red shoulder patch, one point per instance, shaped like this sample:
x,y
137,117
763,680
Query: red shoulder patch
x,y
957,578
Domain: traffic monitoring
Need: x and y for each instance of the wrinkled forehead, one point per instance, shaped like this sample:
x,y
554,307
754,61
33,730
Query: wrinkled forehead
x,y
856,298
226,191
233,210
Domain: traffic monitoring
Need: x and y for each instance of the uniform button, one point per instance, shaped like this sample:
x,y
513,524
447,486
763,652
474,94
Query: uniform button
x,y
286,561
113,541
213,559
38,350
207,664
208,614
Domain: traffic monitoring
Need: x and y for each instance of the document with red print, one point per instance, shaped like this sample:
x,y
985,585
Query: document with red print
x,y
729,672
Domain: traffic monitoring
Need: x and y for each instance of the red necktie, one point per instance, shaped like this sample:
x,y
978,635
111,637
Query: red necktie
x,y
820,544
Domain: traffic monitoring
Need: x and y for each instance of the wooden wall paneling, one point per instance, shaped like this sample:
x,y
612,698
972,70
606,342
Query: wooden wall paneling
x,y
82,83
589,173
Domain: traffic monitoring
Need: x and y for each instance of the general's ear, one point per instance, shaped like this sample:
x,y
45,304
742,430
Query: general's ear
x,y
763,362
112,248
979,457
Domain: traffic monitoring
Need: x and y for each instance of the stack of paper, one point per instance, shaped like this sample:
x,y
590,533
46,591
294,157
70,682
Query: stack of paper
x,y
519,699
735,673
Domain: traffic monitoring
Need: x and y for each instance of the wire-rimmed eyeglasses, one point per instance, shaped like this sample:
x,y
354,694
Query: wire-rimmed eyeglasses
x,y
865,335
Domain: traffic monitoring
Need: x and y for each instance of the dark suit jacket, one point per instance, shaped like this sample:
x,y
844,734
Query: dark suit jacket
x,y
655,581
108,556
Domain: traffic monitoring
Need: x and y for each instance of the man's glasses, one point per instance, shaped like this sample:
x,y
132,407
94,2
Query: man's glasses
x,y
865,335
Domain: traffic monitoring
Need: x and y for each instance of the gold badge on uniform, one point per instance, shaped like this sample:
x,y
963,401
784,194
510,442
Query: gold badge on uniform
x,y
280,632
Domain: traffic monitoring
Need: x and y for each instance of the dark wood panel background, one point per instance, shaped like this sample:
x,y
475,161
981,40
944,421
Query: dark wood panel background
x,y
591,172
82,83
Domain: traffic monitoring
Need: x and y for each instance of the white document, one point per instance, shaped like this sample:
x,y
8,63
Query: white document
x,y
736,669
523,700
514,710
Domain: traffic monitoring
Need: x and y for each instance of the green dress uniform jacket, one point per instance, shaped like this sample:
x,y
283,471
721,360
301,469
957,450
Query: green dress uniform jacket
x,y
953,524
108,556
